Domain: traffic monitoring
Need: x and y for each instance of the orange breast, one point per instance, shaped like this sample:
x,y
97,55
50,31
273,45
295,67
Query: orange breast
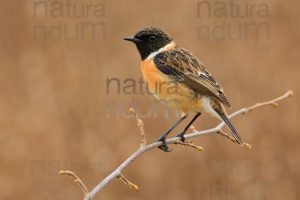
x,y
152,76
173,93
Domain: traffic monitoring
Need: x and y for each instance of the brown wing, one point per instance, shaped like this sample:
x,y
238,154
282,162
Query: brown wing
x,y
182,66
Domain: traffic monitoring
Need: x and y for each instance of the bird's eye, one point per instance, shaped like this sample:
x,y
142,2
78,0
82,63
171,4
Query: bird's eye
x,y
152,38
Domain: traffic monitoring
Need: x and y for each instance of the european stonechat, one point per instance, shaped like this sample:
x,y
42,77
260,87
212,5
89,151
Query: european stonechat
x,y
177,78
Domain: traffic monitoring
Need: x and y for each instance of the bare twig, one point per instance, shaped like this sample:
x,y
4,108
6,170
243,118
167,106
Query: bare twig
x,y
140,124
127,182
175,140
189,144
226,135
223,133
76,180
271,102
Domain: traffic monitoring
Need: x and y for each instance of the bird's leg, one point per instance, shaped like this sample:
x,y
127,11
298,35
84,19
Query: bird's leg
x,y
181,134
162,138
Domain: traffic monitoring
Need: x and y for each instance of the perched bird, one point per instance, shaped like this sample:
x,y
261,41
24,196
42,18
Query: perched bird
x,y
177,78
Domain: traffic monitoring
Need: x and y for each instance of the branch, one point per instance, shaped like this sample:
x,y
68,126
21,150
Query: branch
x,y
76,179
140,124
175,140
127,182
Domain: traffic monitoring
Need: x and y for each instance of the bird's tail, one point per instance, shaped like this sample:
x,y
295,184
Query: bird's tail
x,y
234,133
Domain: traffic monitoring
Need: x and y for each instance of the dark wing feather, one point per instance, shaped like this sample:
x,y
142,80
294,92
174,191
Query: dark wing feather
x,y
180,65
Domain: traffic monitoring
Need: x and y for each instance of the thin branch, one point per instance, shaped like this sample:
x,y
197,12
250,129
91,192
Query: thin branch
x,y
76,179
189,144
226,135
175,140
140,124
127,182
272,102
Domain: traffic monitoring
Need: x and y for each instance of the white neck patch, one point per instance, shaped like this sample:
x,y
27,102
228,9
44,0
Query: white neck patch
x,y
165,48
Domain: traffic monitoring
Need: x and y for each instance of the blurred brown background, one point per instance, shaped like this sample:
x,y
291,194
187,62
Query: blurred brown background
x,y
55,112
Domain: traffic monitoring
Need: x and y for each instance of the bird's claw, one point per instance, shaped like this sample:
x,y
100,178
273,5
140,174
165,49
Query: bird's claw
x,y
164,145
181,136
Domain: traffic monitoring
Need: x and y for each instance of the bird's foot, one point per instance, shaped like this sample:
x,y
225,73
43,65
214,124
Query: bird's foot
x,y
164,145
181,135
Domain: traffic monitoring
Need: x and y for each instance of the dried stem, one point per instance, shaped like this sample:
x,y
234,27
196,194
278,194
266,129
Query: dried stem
x,y
223,133
140,124
189,144
175,140
76,179
226,135
127,182
271,102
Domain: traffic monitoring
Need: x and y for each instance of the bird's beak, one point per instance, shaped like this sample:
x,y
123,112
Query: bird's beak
x,y
132,39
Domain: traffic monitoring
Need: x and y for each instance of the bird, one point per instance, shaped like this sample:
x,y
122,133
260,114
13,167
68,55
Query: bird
x,y
178,79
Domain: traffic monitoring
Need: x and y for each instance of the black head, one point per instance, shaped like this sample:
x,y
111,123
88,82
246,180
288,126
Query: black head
x,y
150,40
